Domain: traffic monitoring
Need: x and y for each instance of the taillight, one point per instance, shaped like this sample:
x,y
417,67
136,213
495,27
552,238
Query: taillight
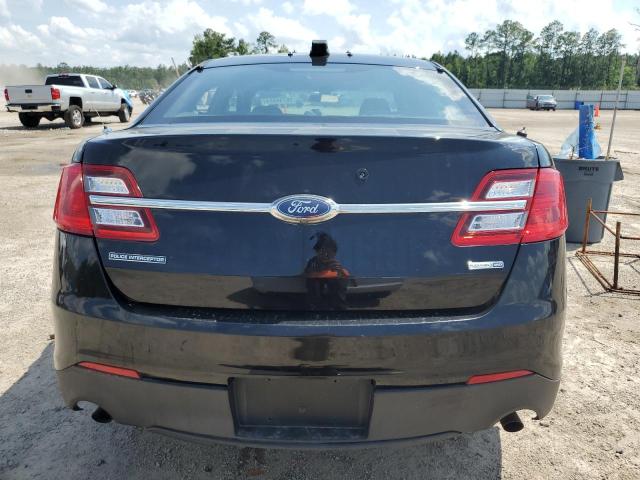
x,y
79,182
543,217
70,212
548,214
6,94
55,93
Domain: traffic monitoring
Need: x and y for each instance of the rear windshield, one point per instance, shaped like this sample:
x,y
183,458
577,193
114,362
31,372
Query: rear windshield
x,y
67,80
330,93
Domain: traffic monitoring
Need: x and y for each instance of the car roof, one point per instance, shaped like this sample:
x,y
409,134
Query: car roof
x,y
331,59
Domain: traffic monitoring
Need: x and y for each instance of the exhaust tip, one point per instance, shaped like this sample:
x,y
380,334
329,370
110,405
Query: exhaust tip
x,y
511,423
101,416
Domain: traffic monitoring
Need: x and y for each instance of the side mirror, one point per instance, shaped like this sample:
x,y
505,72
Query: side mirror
x,y
114,86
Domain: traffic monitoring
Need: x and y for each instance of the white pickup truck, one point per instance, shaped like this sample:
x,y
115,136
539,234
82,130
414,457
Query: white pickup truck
x,y
74,97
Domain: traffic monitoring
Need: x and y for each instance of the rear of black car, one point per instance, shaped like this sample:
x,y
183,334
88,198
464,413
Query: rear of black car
x,y
292,253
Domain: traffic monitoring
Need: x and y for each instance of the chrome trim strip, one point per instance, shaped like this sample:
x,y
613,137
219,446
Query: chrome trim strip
x,y
442,207
352,208
105,200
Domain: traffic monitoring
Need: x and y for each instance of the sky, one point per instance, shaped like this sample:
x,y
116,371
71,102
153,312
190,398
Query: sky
x,y
150,32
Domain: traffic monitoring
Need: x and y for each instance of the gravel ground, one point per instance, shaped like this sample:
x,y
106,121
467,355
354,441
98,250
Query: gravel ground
x,y
592,433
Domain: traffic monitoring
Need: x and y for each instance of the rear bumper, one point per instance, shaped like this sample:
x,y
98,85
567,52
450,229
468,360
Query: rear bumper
x,y
203,412
35,108
419,366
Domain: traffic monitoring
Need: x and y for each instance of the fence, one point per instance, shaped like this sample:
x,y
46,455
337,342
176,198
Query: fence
x,y
500,98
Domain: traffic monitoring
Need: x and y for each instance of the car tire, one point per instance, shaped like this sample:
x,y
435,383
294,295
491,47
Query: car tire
x,y
74,117
124,114
29,121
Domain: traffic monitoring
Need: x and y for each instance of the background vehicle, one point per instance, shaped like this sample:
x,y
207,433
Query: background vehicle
x,y
73,97
147,96
324,251
541,102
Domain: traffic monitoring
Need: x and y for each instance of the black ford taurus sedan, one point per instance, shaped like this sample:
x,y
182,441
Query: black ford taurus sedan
x,y
311,250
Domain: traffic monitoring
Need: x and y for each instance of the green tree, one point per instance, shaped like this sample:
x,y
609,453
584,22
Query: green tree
x,y
243,48
510,39
265,42
568,45
587,51
608,48
211,44
473,44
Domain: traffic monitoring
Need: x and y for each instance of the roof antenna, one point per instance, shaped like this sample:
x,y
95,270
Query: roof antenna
x,y
319,52
105,130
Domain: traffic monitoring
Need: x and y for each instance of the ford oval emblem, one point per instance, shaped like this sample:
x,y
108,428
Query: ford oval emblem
x,y
304,209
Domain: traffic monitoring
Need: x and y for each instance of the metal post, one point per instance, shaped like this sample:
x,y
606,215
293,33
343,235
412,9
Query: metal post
x,y
585,236
616,256
626,100
615,108
175,68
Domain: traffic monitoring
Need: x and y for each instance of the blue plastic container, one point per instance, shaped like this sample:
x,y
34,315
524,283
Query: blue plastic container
x,y
576,105
587,142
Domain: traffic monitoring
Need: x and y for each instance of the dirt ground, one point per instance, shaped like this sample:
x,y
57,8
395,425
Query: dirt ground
x,y
592,433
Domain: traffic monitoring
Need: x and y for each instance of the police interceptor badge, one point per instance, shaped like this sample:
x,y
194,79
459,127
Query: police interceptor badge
x,y
136,257
490,265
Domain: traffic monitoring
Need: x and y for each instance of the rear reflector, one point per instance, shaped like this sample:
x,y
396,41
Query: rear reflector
x,y
73,212
496,377
543,218
99,367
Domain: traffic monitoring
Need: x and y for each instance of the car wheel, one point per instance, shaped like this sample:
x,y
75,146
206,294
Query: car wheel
x,y
124,114
73,117
29,121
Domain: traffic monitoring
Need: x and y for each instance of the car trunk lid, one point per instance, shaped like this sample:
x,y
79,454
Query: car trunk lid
x,y
361,261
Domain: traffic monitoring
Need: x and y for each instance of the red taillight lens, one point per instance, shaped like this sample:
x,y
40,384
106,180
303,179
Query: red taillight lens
x,y
55,93
121,372
70,212
74,212
548,214
544,216
497,377
6,94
